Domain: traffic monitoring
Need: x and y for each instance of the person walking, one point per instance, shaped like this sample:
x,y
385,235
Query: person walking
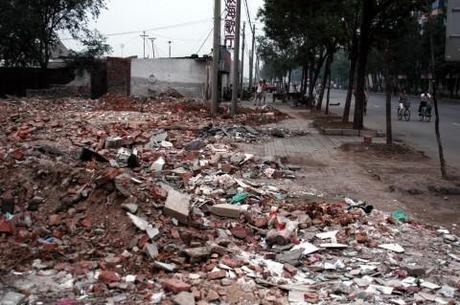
x,y
259,94
264,92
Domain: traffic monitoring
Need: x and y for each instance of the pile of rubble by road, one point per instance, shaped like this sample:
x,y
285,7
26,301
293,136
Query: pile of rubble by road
x,y
127,201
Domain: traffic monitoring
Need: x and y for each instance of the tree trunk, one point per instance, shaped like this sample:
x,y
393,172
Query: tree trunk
x,y
310,77
442,161
363,52
289,79
388,92
351,79
315,69
301,79
388,110
328,91
324,81
438,135
305,80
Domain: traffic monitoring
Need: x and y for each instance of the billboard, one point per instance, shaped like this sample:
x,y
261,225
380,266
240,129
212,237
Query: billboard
x,y
453,31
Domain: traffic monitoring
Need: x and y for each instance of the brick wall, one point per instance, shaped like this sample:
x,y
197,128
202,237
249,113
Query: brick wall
x,y
119,76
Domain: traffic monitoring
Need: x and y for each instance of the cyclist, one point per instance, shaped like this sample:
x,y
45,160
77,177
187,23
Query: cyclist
x,y
403,101
424,99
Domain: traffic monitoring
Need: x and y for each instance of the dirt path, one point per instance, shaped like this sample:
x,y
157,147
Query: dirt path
x,y
388,180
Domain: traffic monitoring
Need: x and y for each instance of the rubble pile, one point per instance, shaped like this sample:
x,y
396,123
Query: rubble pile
x,y
127,201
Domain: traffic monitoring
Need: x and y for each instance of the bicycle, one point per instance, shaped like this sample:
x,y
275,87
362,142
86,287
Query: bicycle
x,y
404,111
425,113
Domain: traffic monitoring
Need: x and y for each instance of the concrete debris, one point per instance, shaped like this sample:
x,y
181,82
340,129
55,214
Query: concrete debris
x,y
392,247
114,142
152,250
157,137
307,248
156,298
447,291
226,210
328,235
153,201
130,207
158,165
12,298
140,223
153,233
429,285
184,298
334,246
200,253
164,266
178,206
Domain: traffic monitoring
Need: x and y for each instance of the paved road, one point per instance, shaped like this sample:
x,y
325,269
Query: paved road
x,y
420,135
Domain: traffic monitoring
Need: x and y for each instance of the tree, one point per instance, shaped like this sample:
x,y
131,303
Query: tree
x,y
351,20
311,28
431,24
95,45
375,15
31,26
277,61
18,38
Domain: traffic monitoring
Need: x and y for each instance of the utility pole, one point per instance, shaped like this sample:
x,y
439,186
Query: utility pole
x,y
122,47
242,60
169,42
144,36
216,58
251,57
152,39
236,57
257,69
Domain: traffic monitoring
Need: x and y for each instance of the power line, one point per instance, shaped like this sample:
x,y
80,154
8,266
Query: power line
x,y
209,34
153,29
205,40
248,13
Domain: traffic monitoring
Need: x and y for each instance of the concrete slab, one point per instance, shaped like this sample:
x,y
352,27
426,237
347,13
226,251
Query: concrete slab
x,y
178,206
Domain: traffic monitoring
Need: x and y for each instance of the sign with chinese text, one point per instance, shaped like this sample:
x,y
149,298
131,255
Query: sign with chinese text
x,y
230,22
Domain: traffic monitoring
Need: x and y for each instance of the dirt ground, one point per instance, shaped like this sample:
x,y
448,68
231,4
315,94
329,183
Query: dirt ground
x,y
388,178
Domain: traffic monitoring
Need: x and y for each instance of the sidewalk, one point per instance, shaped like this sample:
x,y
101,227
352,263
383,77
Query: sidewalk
x,y
386,183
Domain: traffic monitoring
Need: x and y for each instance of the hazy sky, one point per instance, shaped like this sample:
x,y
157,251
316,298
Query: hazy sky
x,y
134,16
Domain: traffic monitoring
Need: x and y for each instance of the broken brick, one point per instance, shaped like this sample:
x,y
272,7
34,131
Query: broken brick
x,y
54,220
217,275
107,277
6,226
240,232
175,285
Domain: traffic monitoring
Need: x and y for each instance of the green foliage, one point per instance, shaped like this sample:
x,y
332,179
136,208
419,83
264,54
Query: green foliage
x,y
95,45
303,24
30,27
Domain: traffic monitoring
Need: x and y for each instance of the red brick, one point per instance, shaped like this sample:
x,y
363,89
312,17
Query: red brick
x,y
175,285
240,232
6,226
109,277
217,275
232,263
17,154
54,220
86,223
290,269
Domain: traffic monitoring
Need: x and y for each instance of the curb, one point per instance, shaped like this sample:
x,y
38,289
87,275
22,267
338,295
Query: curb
x,y
351,132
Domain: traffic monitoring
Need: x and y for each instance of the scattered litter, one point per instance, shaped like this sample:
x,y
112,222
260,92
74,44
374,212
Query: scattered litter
x,y
392,247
